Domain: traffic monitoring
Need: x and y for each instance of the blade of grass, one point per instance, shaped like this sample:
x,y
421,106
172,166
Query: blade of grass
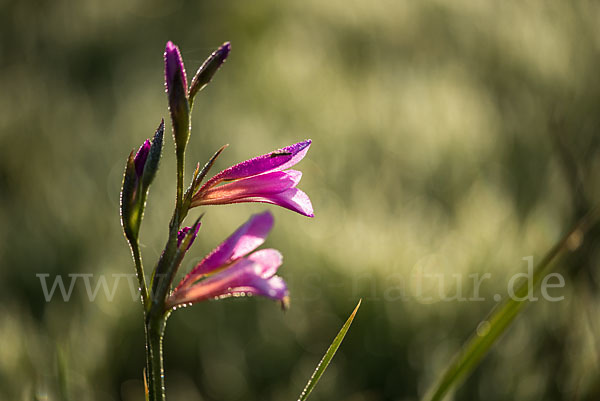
x,y
337,341
500,318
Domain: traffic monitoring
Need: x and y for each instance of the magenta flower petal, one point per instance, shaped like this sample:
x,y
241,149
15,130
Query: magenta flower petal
x,y
274,161
141,156
293,199
298,151
256,186
268,259
243,241
245,277
261,179
274,288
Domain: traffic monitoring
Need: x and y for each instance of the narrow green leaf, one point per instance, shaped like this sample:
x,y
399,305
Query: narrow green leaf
x,y
489,330
328,356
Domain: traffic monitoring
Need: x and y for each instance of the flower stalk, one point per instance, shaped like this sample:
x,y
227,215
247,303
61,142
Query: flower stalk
x,y
234,268
155,374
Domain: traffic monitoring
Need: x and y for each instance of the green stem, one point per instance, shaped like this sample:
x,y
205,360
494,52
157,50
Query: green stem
x,y
180,166
159,290
155,328
155,314
164,283
155,308
139,269
132,235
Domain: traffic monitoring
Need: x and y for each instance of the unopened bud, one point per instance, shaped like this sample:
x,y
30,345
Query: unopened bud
x,y
208,69
154,154
129,199
176,85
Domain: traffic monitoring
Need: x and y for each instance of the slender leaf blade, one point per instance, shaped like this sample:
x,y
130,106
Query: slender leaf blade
x,y
337,341
501,317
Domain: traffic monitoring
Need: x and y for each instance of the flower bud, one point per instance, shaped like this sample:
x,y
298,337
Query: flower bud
x,y
129,196
208,69
192,232
140,158
154,154
140,170
176,85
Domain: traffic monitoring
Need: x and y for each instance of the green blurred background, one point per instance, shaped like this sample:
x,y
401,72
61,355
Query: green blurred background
x,y
449,137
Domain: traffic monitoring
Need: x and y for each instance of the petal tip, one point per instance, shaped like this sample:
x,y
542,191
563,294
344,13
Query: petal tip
x,y
304,144
265,218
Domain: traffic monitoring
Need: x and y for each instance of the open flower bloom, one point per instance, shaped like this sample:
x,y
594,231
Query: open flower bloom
x,y
261,179
229,270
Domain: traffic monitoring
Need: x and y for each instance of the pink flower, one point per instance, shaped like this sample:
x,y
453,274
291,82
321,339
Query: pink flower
x,y
229,270
261,179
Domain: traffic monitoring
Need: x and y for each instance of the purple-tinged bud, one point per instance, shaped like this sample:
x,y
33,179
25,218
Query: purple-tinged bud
x,y
176,85
139,172
129,196
154,154
140,157
208,69
184,232
174,68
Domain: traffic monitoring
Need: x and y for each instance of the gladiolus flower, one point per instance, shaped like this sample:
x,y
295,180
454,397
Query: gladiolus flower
x,y
229,270
261,179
